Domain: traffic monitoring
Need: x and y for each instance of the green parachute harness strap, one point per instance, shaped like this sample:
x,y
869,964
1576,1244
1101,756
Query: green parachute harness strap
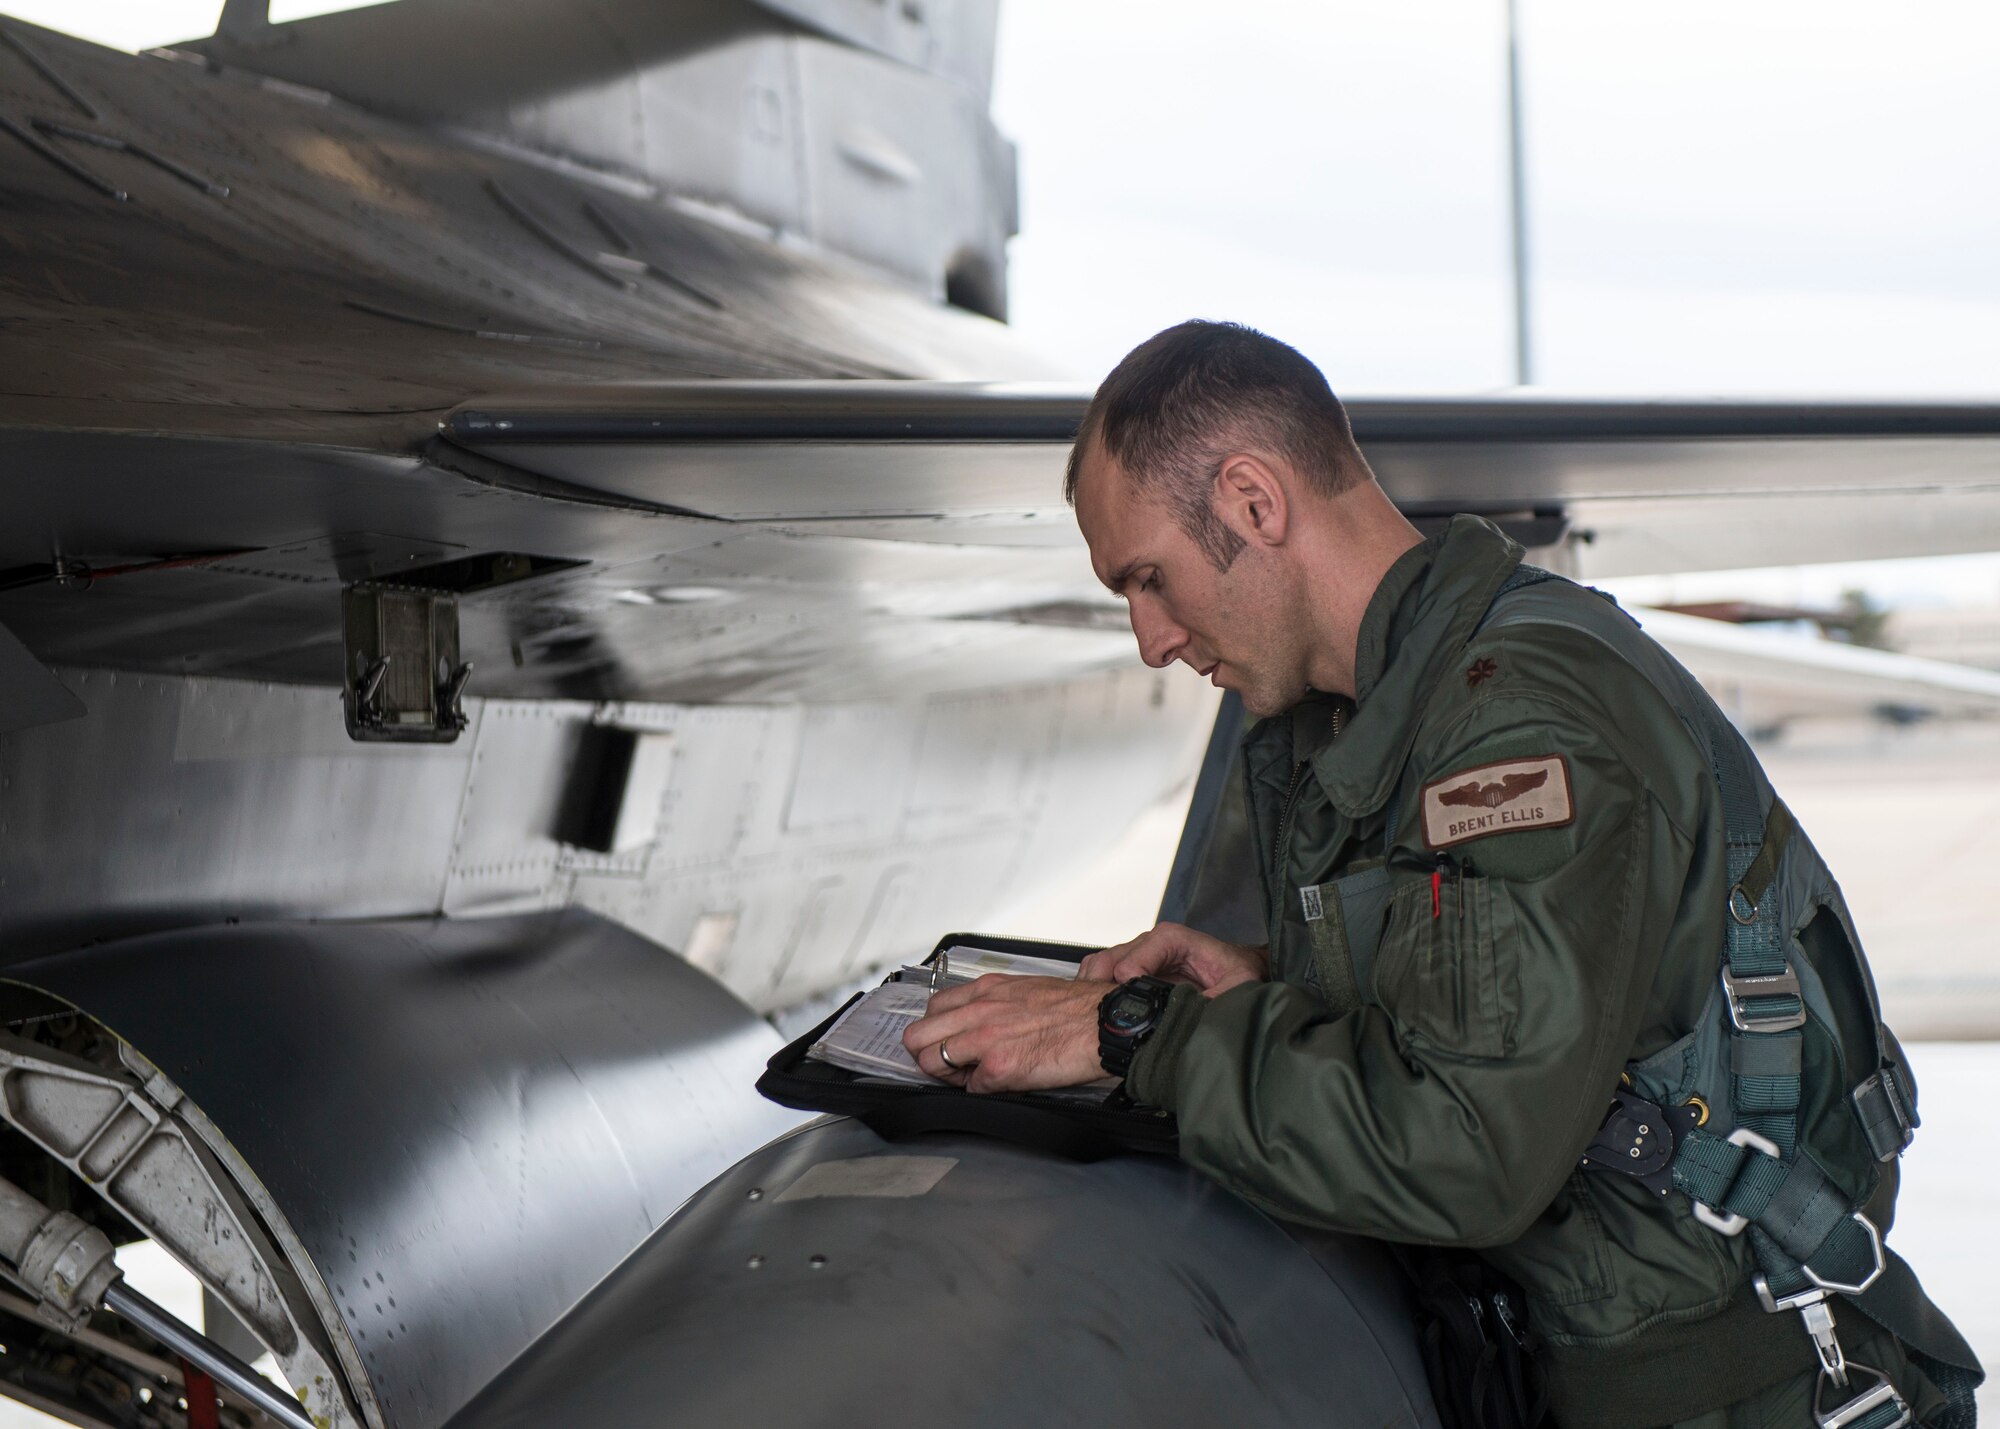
x,y
1809,1239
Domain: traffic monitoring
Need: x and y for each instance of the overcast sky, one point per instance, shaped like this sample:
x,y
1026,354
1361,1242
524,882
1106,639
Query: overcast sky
x,y
1727,197
1778,195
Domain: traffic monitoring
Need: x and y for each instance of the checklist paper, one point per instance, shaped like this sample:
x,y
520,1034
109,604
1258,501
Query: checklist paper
x,y
867,1038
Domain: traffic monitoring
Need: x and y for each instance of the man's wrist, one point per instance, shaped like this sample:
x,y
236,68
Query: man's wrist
x,y
1126,1016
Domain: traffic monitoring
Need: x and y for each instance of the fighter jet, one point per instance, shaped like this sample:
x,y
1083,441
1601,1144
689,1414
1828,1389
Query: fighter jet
x,y
526,546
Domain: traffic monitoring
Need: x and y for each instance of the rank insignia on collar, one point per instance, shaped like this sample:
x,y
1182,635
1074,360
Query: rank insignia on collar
x,y
1481,671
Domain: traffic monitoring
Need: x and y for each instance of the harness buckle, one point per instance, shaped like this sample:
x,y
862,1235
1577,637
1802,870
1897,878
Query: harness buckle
x,y
1874,1271
1818,1315
1863,1404
1887,1117
1784,984
1729,1223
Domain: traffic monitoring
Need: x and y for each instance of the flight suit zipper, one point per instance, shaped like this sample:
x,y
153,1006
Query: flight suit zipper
x,y
1285,818
1292,798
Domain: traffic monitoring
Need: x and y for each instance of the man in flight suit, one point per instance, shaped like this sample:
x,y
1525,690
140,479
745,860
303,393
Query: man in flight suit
x,y
1550,844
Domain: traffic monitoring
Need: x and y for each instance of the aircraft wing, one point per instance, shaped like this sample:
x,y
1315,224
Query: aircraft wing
x,y
715,541
1622,486
1764,678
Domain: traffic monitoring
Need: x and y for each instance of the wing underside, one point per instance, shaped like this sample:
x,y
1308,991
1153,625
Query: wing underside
x,y
1625,486
1768,678
712,542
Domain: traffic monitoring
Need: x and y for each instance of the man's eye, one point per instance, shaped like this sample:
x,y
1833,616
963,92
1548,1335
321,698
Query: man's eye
x,y
1152,582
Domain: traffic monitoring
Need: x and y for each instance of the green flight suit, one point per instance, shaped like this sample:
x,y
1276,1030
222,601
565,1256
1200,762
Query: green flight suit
x,y
1789,1403
1444,1095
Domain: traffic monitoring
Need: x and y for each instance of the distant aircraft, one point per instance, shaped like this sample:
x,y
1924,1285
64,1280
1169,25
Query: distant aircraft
x,y
495,493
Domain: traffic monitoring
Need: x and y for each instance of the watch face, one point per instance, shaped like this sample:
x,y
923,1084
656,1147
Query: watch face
x,y
1131,1010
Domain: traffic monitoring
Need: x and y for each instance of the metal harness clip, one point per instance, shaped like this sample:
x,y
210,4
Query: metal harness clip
x,y
1880,1263
1784,984
1863,1404
1818,1315
1732,1224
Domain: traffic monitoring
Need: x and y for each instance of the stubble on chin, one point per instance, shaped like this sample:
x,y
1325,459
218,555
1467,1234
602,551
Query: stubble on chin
x,y
1261,702
1264,698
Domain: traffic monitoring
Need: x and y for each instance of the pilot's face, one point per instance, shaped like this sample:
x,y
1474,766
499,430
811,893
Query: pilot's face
x,y
1226,625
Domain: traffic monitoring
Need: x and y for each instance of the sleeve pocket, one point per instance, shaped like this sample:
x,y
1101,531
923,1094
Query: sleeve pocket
x,y
1448,977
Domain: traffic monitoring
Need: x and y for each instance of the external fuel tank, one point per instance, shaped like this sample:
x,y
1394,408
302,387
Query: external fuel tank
x,y
836,1279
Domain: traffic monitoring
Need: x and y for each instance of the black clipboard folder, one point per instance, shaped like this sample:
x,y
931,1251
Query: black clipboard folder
x,y
1082,1131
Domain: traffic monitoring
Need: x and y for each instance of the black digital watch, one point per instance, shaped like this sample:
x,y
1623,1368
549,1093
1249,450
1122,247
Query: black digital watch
x,y
1126,1017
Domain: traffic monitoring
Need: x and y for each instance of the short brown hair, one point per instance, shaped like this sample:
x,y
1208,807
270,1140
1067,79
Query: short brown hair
x,y
1184,400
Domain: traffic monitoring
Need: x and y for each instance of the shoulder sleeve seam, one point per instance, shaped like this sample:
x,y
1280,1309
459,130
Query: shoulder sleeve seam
x,y
1611,740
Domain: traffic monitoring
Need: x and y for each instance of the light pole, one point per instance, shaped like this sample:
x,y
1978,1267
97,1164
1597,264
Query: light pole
x,y
1517,196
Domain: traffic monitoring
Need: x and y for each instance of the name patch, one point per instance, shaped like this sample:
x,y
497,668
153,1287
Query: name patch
x,y
1501,798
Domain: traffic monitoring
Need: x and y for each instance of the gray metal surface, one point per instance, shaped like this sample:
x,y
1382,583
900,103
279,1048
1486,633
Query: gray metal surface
x,y
29,693
858,125
536,46
793,848
1016,1289
667,609
260,373
972,454
466,1123
1000,412
367,269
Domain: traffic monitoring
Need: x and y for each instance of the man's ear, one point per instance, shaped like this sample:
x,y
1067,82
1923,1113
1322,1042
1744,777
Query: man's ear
x,y
1252,501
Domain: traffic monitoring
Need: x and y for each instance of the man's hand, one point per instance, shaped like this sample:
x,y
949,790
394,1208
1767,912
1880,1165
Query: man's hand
x,y
1011,1034
1180,954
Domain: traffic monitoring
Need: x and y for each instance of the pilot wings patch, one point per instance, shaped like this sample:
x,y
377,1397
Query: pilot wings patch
x,y
1501,798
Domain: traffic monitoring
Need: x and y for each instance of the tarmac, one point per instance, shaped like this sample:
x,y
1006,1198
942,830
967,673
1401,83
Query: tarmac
x,y
1909,821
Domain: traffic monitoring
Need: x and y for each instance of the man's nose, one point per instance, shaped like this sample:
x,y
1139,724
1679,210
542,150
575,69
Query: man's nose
x,y
1160,640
